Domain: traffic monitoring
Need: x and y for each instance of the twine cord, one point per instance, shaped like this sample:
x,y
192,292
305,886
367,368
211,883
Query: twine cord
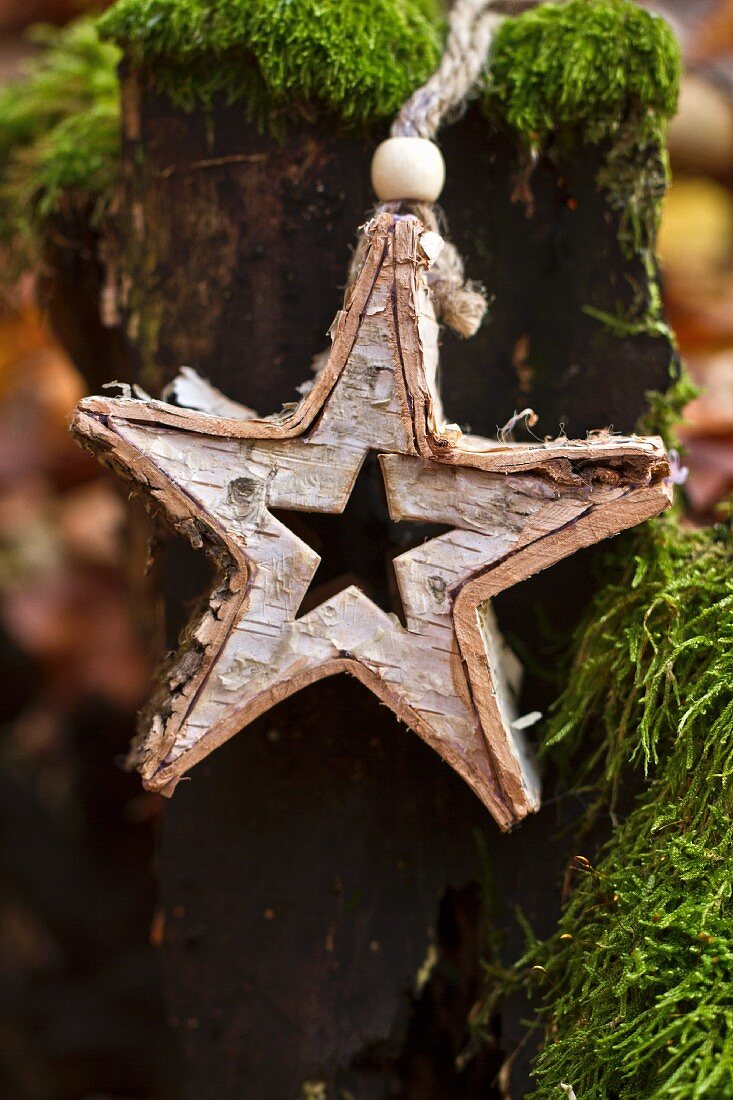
x,y
442,98
459,303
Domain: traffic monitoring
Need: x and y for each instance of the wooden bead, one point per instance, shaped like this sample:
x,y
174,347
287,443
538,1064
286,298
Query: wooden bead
x,y
408,168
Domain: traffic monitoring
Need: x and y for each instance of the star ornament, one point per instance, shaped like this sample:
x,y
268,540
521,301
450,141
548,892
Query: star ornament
x,y
215,470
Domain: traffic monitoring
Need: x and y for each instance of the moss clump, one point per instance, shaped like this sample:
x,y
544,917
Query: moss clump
x,y
358,60
585,65
601,72
638,977
597,71
59,124
59,130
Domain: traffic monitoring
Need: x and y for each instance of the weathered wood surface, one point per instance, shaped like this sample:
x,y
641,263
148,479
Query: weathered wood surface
x,y
319,861
515,508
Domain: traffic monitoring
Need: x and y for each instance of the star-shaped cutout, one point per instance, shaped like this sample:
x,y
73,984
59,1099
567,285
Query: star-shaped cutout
x,y
216,470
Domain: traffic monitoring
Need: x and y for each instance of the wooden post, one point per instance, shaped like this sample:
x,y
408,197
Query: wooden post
x,y
324,875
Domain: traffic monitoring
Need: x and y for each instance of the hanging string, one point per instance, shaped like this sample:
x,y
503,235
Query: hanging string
x,y
459,303
442,98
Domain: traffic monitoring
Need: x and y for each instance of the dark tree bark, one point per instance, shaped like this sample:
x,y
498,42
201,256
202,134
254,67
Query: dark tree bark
x,y
71,292
329,884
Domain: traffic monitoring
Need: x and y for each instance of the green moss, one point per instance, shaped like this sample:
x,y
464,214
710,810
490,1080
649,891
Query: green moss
x,y
638,977
59,124
665,409
601,72
596,71
59,130
358,60
585,65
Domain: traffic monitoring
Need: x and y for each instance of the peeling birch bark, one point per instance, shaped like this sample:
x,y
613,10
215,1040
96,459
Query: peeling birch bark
x,y
216,471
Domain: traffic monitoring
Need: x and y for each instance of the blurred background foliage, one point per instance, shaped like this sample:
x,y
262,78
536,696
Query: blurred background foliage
x,y
80,1010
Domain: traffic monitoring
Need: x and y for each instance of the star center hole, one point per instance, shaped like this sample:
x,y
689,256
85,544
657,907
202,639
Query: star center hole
x,y
357,546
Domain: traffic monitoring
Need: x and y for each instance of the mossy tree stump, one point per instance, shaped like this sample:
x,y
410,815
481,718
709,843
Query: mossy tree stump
x,y
326,880
329,886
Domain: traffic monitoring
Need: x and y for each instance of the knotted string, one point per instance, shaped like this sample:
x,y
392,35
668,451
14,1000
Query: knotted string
x,y
459,303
